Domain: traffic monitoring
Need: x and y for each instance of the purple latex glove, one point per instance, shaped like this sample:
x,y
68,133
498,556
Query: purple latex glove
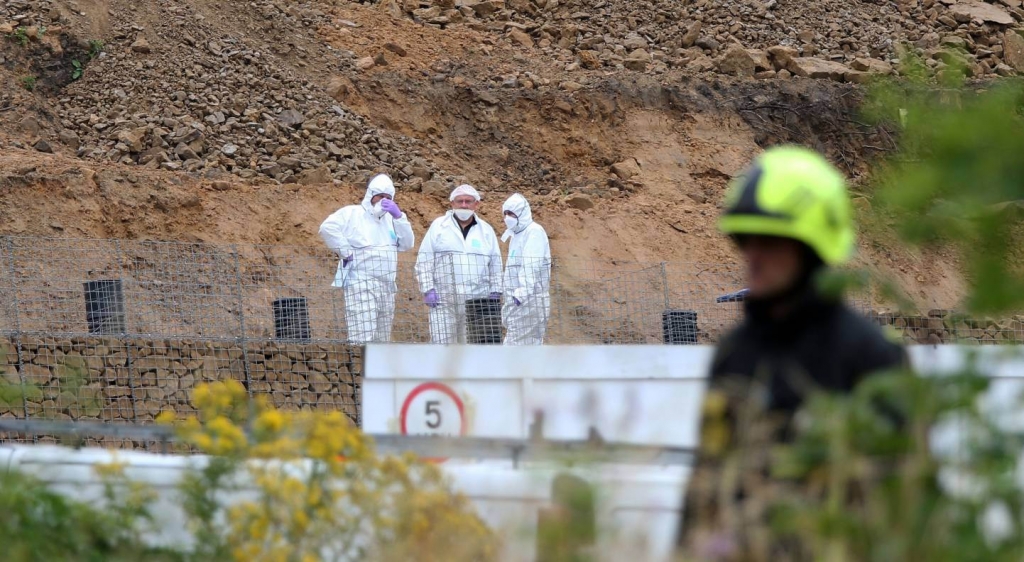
x,y
346,261
517,301
391,208
495,296
431,299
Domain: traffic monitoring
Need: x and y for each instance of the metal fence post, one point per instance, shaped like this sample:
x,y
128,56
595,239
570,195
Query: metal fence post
x,y
664,283
241,320
9,244
126,337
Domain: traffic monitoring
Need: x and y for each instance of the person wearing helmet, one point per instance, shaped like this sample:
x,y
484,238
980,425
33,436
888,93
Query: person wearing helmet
x,y
459,261
367,237
527,279
790,217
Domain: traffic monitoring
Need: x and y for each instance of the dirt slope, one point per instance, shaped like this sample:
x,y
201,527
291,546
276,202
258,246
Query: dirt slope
x,y
204,120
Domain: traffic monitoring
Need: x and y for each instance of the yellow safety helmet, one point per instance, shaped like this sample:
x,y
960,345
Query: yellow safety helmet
x,y
793,192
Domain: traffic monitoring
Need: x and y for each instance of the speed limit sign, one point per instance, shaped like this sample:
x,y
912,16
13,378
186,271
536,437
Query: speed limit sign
x,y
433,408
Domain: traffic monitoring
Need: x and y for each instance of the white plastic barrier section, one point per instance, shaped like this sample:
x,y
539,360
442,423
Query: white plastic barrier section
x,y
647,395
642,395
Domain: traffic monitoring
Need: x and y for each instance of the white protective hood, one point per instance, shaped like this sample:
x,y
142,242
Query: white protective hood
x,y
521,207
380,184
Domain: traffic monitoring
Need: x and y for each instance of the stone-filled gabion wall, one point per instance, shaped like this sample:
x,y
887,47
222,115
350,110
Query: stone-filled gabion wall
x,y
944,326
133,380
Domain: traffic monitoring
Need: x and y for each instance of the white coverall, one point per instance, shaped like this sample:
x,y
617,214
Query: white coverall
x,y
368,280
459,269
527,277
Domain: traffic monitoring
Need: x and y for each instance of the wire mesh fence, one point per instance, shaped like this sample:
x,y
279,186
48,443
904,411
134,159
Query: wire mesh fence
x,y
248,292
119,330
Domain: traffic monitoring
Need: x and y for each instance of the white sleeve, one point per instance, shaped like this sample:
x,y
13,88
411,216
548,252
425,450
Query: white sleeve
x,y
333,233
425,262
536,256
495,264
403,229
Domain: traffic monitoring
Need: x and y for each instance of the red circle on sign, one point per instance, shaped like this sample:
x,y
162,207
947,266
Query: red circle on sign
x,y
444,389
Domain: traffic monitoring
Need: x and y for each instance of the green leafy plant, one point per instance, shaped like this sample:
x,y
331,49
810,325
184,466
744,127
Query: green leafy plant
x,y
38,524
77,70
95,48
957,180
20,35
29,83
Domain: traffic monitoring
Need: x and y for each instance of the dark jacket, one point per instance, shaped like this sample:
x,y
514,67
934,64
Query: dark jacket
x,y
820,345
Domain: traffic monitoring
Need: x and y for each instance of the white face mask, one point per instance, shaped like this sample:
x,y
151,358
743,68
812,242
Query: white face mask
x,y
378,210
463,214
511,222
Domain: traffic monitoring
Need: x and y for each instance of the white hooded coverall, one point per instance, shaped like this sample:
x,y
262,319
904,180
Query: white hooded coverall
x,y
527,277
459,269
373,243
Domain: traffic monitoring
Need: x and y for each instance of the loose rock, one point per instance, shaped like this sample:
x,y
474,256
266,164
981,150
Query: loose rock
x,y
521,38
43,146
396,48
579,201
809,67
873,66
626,169
737,62
141,46
317,176
637,60
980,11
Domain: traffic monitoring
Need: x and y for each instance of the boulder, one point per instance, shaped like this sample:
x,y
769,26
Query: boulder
x,y
626,169
43,146
133,139
70,139
760,58
435,188
637,60
488,7
872,66
521,38
691,35
141,46
317,176
579,201
810,67
1013,50
980,11
781,56
737,62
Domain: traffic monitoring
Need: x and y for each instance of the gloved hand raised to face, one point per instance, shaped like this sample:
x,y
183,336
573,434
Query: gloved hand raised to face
x,y
431,299
391,208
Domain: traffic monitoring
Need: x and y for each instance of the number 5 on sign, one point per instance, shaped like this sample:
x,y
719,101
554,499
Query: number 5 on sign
x,y
433,408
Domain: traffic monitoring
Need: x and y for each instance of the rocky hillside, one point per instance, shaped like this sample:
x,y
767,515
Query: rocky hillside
x,y
624,118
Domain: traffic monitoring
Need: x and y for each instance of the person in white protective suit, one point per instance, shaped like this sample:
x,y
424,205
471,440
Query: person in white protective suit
x,y
527,279
367,237
459,260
